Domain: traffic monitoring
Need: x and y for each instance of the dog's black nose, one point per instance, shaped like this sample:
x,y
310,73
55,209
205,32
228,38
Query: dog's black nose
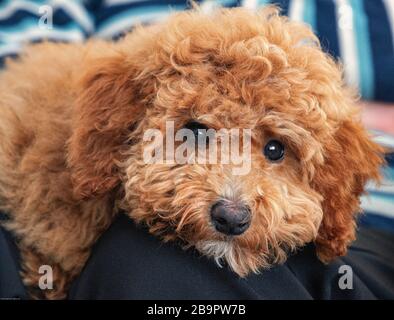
x,y
230,218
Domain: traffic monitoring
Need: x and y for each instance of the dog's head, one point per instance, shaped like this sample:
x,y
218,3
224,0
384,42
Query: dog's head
x,y
308,160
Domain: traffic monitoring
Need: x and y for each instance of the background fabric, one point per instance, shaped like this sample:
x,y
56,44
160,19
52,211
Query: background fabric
x,y
359,33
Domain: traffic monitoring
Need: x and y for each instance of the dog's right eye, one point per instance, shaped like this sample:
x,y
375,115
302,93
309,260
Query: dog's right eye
x,y
199,129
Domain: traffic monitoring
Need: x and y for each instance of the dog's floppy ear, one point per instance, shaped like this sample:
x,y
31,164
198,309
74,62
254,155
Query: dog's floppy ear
x,y
351,159
105,110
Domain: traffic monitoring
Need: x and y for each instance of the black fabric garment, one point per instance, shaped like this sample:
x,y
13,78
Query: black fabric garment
x,y
128,263
10,283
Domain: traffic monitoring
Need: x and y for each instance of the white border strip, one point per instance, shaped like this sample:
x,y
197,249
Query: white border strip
x,y
378,206
296,10
347,42
390,12
126,23
37,33
250,4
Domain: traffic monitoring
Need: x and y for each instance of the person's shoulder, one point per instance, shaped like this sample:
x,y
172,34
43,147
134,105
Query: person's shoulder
x,y
129,263
11,286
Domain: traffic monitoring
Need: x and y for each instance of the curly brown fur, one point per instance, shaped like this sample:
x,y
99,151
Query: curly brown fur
x,y
73,116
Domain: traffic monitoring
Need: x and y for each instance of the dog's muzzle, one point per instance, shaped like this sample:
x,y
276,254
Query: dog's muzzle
x,y
230,218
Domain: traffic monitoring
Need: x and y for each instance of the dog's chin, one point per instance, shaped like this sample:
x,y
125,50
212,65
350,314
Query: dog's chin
x,y
238,259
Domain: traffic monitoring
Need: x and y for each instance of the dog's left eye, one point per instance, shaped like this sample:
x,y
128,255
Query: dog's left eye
x,y
274,150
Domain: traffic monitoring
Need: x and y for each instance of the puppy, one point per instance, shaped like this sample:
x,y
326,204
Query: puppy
x,y
72,126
